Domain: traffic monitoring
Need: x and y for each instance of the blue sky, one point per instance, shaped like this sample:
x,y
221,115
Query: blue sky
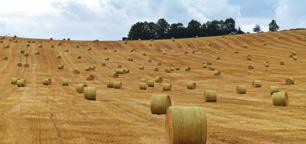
x,y
111,19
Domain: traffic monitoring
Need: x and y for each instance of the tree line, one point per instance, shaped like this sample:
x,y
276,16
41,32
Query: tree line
x,y
163,30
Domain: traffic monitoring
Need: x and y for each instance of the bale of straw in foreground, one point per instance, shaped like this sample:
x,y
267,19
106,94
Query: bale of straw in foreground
x,y
241,89
21,83
143,86
47,82
14,81
60,67
217,73
256,83
80,88
117,84
158,79
186,125
191,85
90,93
274,89
160,103
167,86
290,81
280,98
110,84
210,95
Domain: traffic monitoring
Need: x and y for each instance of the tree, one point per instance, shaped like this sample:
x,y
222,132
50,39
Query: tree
x,y
257,28
273,26
162,28
193,29
143,30
136,31
239,31
230,26
177,30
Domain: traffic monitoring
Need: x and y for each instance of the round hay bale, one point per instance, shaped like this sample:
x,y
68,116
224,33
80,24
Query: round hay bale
x,y
256,83
167,86
217,73
65,83
130,59
66,50
80,88
5,58
141,68
160,103
60,67
218,58
250,67
119,66
19,64
210,96
47,82
89,49
75,71
156,69
36,53
90,93
204,66
167,70
289,81
90,77
117,84
20,83
107,59
26,65
249,58
120,71
115,75
280,98
150,83
149,60
103,64
158,79
92,68
143,86
26,55
191,85
115,50
110,84
177,69
267,65
282,63
186,125
79,57
87,68
241,89
274,89
14,81
58,57
187,69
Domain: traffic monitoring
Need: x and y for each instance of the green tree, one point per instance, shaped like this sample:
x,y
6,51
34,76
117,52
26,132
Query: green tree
x,y
229,26
273,26
136,31
177,30
239,31
193,29
162,28
257,28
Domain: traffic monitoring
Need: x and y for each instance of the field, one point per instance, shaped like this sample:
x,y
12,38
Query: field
x,y
38,114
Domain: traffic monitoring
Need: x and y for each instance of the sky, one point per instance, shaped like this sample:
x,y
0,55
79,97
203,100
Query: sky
x,y
112,19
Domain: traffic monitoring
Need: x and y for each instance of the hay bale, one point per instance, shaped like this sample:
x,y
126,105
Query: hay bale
x,y
186,125
122,71
119,66
90,77
143,86
110,84
156,69
167,86
167,70
274,89
280,98
249,58
141,68
282,63
14,81
250,67
89,49
26,55
66,50
177,68
103,64
150,83
159,103
19,64
79,57
58,57
65,83
5,58
187,69
217,73
117,84
204,66
130,59
211,68
241,89
107,59
210,96
267,64
158,79
149,60
92,68
90,93
36,53
115,75
47,82
191,85
256,83
26,65
80,88
289,81
87,68
218,58
20,83
60,67
75,71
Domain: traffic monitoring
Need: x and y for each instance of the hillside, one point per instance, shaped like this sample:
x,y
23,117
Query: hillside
x,y
56,114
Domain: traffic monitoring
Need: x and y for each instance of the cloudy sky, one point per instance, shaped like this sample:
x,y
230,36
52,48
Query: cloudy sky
x,y
111,19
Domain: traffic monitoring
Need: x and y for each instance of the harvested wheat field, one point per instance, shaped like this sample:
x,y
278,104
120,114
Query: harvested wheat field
x,y
50,113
